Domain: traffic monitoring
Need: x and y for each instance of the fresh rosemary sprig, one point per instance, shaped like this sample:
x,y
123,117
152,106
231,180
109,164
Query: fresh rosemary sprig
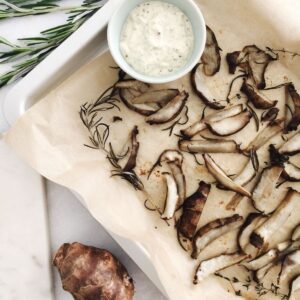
x,y
33,50
99,131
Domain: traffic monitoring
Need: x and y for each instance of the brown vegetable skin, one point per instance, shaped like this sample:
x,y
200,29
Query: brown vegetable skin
x,y
89,273
295,121
192,210
211,58
197,86
257,99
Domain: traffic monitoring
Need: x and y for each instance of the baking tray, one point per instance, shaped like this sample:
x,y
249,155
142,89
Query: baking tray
x,y
81,47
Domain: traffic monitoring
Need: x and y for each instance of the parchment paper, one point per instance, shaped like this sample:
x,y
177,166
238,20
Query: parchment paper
x,y
50,137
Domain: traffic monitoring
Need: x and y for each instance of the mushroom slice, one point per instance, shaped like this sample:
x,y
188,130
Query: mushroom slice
x,y
172,197
263,234
290,267
230,125
269,115
133,84
261,261
266,134
259,100
296,233
192,210
211,58
222,114
246,175
215,264
170,111
259,274
179,177
291,147
253,221
264,194
222,178
294,286
233,60
291,172
209,146
161,97
131,163
295,121
258,61
127,97
200,88
213,230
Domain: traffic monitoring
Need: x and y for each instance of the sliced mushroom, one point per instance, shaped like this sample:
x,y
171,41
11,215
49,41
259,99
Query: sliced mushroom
x,y
259,100
172,197
211,58
200,125
246,174
192,210
296,233
213,230
222,178
161,97
218,263
131,163
133,84
291,172
253,61
290,267
233,60
295,121
263,234
266,134
260,274
179,177
264,195
170,111
270,115
230,125
258,61
209,146
200,88
253,221
292,146
294,286
261,261
127,97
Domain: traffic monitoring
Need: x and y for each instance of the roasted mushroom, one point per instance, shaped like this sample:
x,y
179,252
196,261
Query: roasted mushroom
x,y
91,273
259,100
233,60
291,147
230,125
172,198
217,116
261,261
218,263
192,210
295,121
161,97
296,233
264,195
131,163
198,84
209,146
170,111
222,178
269,115
261,236
291,172
290,267
246,174
294,287
214,229
211,58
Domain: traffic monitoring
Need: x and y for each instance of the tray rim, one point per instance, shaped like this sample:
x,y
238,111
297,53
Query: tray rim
x,y
27,91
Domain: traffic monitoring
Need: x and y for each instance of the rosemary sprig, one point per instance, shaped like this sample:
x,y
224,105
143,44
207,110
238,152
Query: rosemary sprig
x,y
34,49
92,118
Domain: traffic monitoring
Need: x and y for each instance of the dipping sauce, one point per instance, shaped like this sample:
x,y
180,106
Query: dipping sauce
x,y
157,38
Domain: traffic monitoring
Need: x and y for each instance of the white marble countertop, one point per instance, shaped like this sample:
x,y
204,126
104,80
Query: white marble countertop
x,y
34,225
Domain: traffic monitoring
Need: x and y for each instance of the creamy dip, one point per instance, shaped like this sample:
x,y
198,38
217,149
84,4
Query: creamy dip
x,y
157,38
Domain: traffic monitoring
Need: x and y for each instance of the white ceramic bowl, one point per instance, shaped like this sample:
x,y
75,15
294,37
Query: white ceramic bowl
x,y
116,24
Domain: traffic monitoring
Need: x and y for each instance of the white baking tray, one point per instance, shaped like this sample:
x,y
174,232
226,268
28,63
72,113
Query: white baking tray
x,y
85,44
